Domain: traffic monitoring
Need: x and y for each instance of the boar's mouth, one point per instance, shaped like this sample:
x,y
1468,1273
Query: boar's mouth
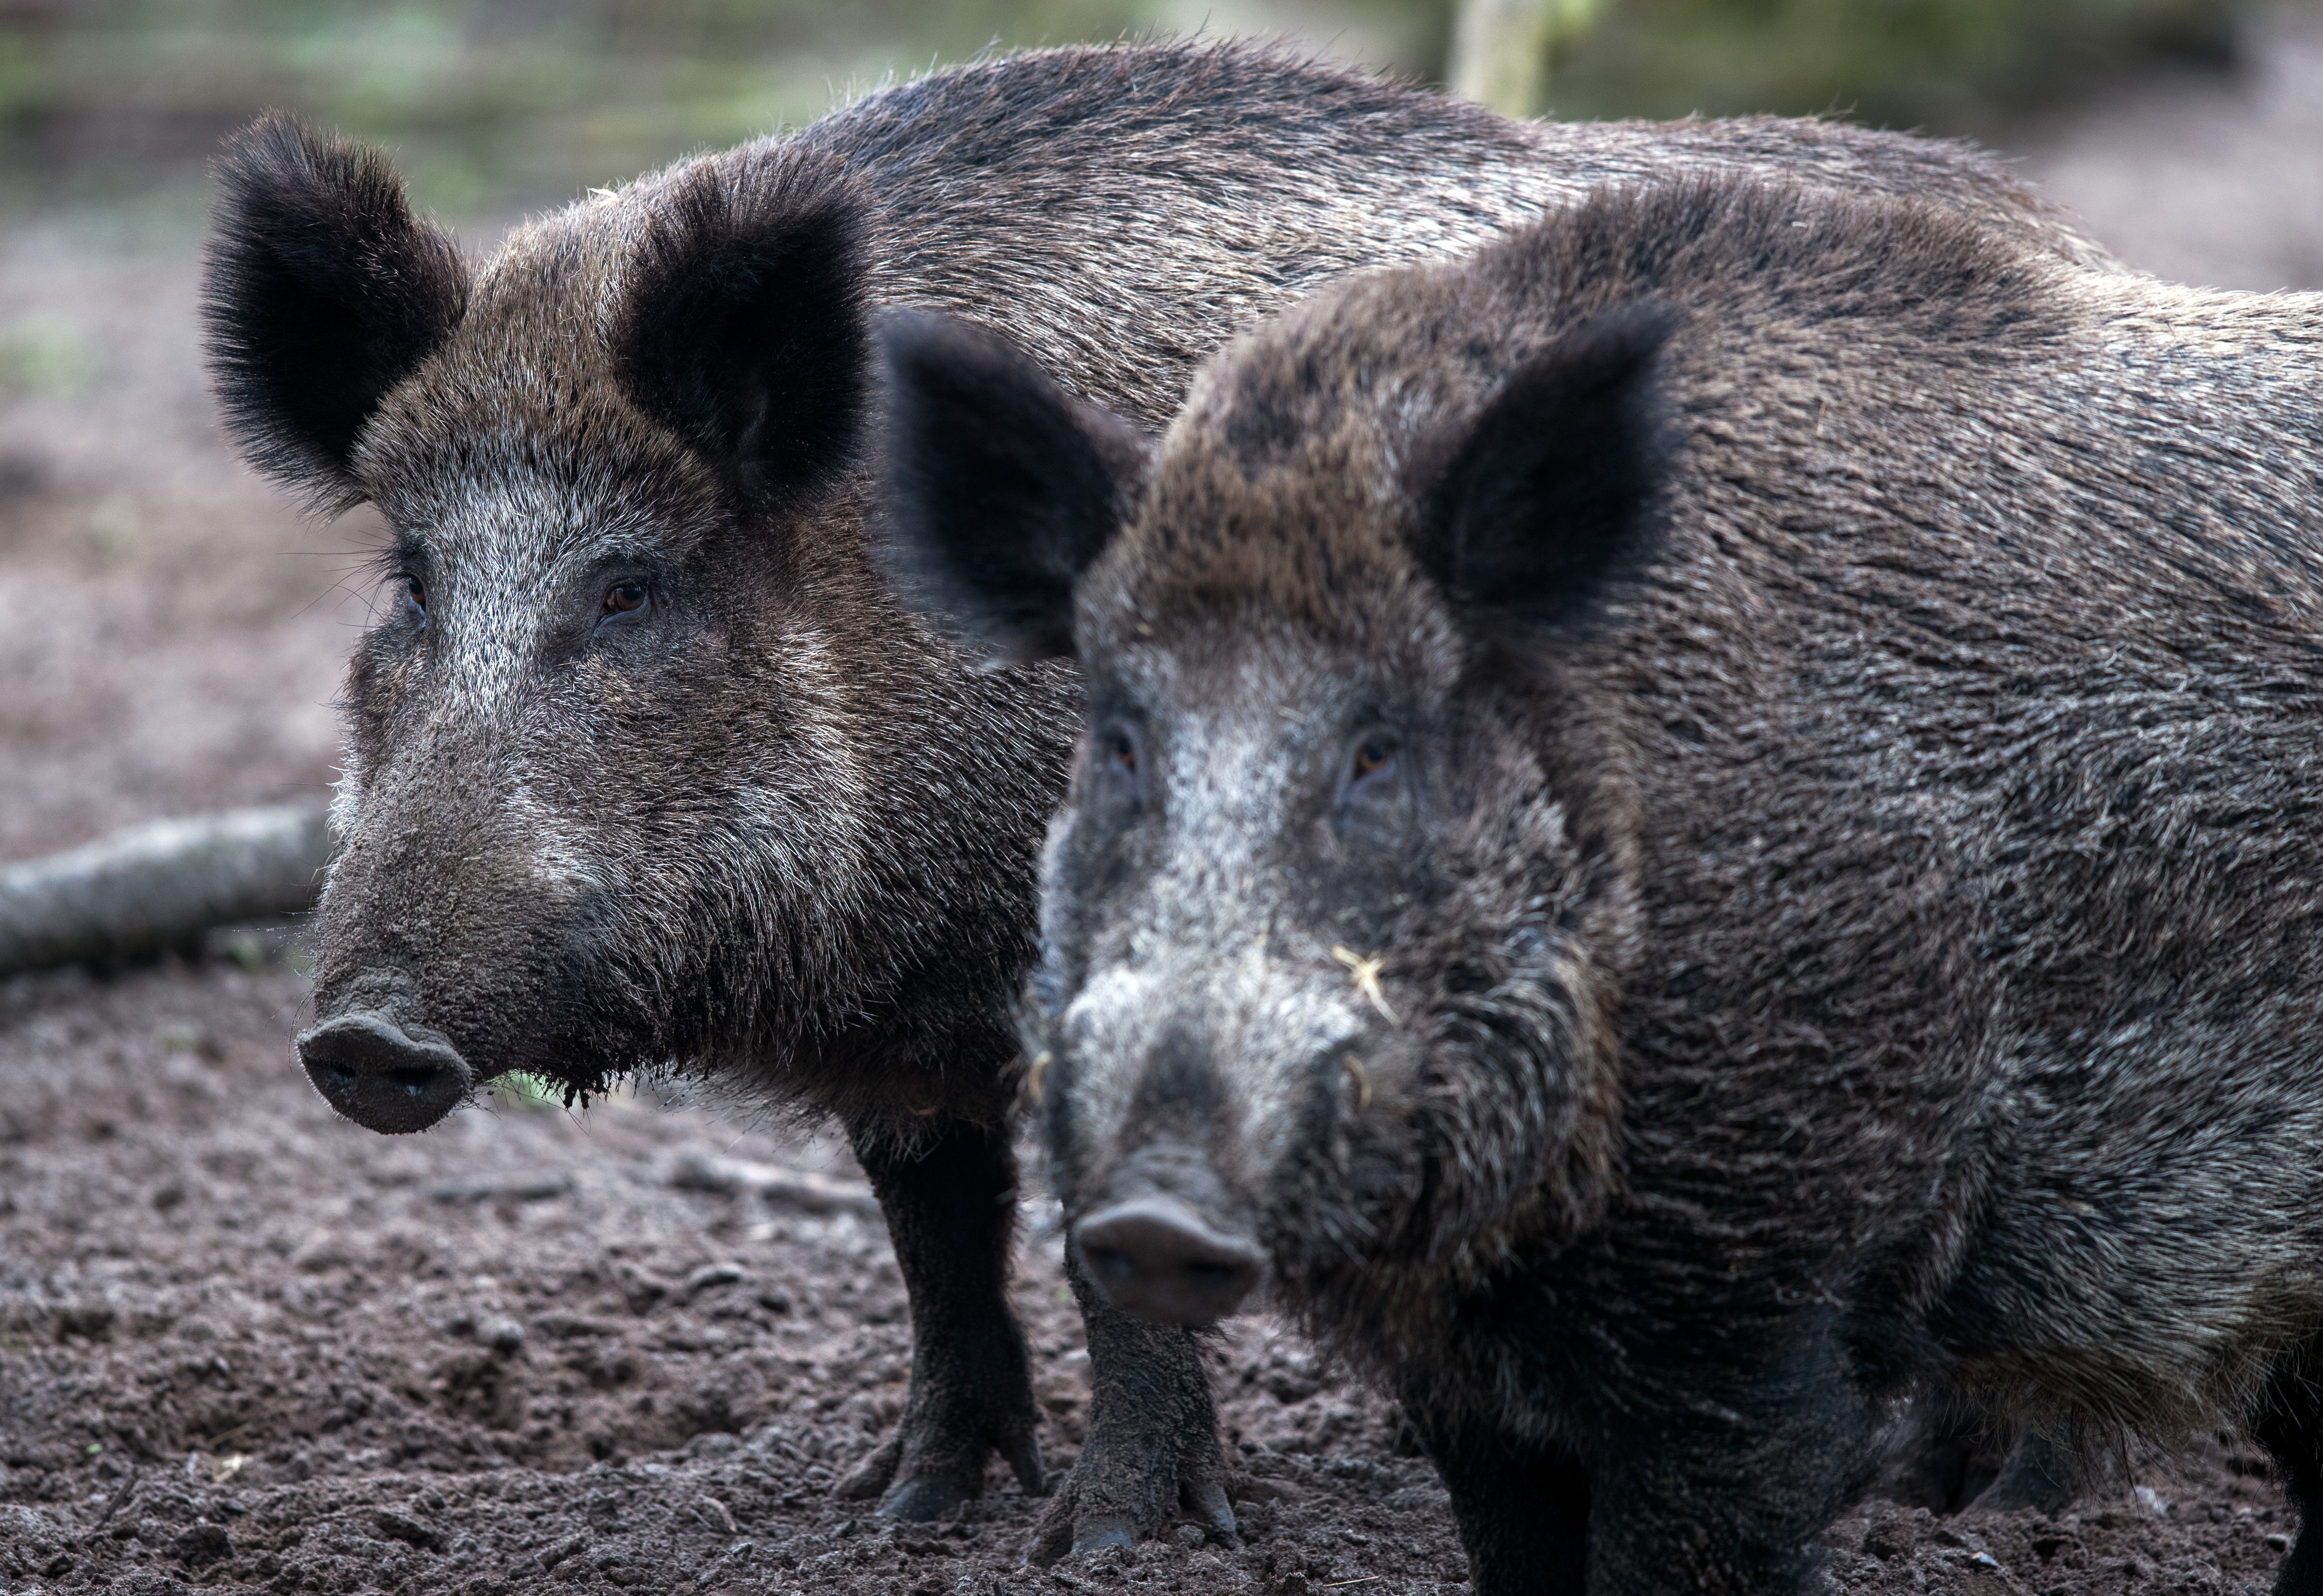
x,y
381,1076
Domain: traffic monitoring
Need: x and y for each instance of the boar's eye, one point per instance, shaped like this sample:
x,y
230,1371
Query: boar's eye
x,y
1372,756
1373,800
415,592
625,598
1115,755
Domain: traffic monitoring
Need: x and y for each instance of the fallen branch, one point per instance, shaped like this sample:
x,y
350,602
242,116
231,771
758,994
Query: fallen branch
x,y
696,1170
160,886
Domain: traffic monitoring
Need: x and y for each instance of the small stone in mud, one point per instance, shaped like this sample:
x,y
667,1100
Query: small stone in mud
x,y
500,1333
712,1274
1890,1538
551,1556
399,1526
202,1543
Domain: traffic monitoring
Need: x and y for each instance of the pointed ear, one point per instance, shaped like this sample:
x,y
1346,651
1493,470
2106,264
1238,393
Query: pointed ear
x,y
1555,487
743,327
320,292
999,490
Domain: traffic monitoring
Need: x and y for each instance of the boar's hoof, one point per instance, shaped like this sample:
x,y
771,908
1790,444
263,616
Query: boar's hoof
x,y
915,1487
368,1069
1155,1257
917,1502
1124,1491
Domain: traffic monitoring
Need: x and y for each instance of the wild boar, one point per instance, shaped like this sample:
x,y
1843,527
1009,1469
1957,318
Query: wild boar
x,y
644,767
1693,826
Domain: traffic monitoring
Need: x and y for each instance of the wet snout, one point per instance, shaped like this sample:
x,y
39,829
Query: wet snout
x,y
1155,1257
377,1074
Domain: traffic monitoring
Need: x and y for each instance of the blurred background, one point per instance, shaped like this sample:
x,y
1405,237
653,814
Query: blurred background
x,y
175,629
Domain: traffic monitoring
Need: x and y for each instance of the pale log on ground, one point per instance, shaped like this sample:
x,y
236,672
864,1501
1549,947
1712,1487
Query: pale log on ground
x,y
159,886
697,1171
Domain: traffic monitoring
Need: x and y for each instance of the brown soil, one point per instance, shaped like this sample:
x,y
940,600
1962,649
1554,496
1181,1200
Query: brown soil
x,y
245,1346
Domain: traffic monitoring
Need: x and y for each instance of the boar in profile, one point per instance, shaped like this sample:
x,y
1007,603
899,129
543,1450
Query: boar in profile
x,y
645,769
1695,825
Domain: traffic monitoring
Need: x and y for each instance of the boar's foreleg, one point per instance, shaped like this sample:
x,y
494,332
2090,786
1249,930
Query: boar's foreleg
x,y
950,1207
1522,1507
1151,1447
2290,1428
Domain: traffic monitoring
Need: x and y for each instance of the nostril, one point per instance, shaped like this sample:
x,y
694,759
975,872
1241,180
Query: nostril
x,y
1108,1264
380,1076
1155,1257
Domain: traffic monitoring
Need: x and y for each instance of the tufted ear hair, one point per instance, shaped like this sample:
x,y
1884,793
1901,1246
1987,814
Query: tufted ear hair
x,y
1556,486
320,292
998,488
742,330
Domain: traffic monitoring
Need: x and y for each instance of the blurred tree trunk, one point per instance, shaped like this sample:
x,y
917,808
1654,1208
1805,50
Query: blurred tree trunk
x,y
1500,50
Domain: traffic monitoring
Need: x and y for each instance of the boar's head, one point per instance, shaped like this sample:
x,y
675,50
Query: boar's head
x,y
614,767
1335,916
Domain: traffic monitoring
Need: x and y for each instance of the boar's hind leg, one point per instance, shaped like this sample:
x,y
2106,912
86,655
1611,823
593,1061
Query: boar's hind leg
x,y
2290,1428
1152,1442
1522,1509
950,1207
1726,1488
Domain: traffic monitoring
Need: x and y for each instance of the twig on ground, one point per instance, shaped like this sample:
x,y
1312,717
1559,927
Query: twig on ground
x,y
696,1170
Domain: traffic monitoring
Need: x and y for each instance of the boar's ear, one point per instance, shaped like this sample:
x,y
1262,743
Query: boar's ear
x,y
320,292
999,488
743,328
1554,488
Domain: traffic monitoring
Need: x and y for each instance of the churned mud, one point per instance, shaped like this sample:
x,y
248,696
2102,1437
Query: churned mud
x,y
245,1345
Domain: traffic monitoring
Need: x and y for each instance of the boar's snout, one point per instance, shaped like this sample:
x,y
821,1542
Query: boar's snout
x,y
1155,1257
368,1069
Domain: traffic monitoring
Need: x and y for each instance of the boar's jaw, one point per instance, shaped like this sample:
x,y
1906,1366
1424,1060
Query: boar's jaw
x,y
382,1076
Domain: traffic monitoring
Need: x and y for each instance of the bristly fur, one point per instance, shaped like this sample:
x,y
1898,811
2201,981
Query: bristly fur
x,y
1870,948
321,292
766,826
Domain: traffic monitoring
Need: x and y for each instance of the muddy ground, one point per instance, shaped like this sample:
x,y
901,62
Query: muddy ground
x,y
245,1345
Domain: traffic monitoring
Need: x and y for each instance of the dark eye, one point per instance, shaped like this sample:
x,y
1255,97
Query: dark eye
x,y
624,597
1375,755
1121,752
415,590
